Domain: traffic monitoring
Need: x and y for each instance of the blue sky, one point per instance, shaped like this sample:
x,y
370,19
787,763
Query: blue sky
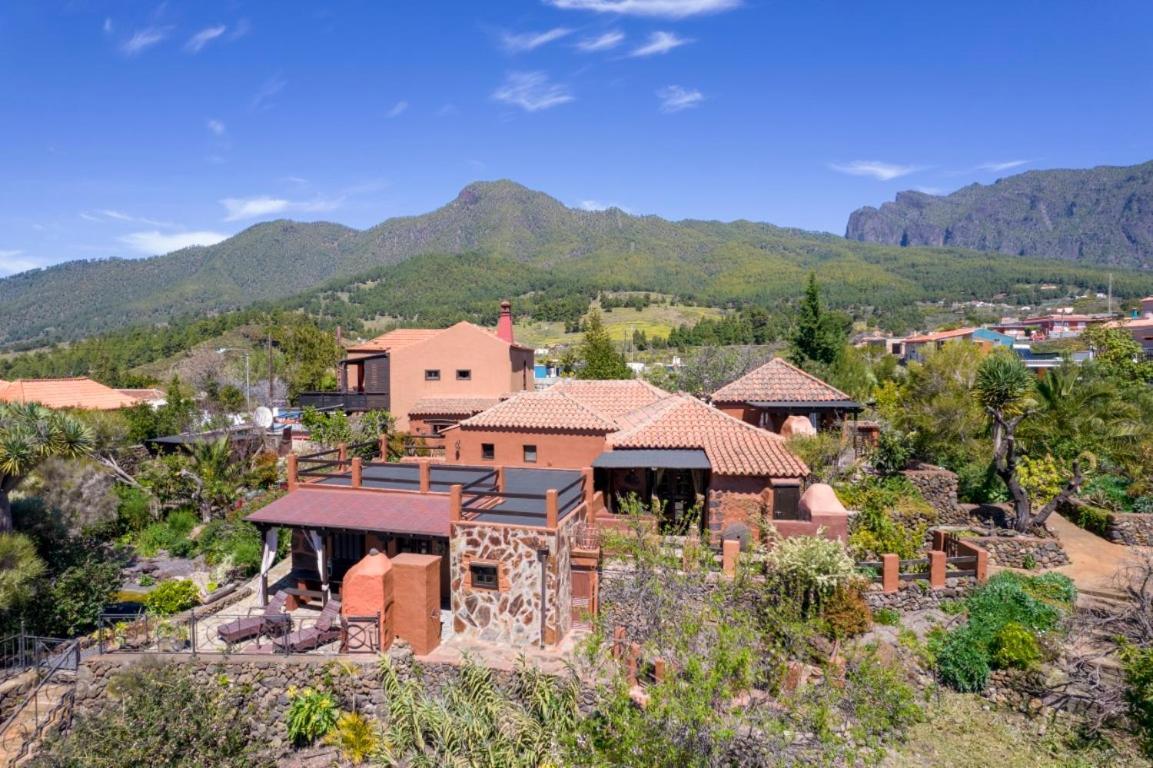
x,y
135,128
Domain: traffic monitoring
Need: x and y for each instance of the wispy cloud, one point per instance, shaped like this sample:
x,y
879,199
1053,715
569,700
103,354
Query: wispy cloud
x,y
527,41
1002,166
398,109
263,98
114,215
876,168
669,9
597,205
660,42
154,242
143,39
107,26
240,208
531,91
204,37
674,98
11,262
602,42
216,127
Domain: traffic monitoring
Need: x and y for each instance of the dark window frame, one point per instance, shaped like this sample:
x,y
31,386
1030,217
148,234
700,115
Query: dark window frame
x,y
484,576
464,374
488,451
525,449
432,374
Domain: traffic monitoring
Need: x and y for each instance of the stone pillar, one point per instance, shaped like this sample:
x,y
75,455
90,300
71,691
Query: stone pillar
x,y
730,552
936,569
454,502
550,508
417,614
290,471
890,573
425,474
357,471
590,491
382,447
982,565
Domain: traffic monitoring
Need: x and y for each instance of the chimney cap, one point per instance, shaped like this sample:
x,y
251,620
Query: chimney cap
x,y
506,304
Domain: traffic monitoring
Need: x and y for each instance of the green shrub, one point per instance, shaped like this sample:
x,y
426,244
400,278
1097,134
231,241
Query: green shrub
x,y
1143,505
235,542
881,698
1138,663
1051,588
1093,519
889,617
963,661
79,594
1015,647
809,568
1108,491
892,519
311,715
846,614
172,596
134,511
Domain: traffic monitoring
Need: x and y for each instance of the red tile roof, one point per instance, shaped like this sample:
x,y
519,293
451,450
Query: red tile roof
x,y
547,409
311,506
79,392
733,447
451,406
778,381
407,337
611,398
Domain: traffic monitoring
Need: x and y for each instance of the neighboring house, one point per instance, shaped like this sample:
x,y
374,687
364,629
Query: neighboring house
x,y
767,396
642,440
430,379
917,347
1140,327
154,397
1056,326
78,392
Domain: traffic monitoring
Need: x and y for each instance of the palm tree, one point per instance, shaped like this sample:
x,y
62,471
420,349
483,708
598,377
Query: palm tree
x,y
1004,387
214,471
29,434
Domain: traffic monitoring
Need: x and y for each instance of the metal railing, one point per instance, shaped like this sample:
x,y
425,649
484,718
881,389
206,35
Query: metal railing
x,y
28,720
23,651
222,633
348,401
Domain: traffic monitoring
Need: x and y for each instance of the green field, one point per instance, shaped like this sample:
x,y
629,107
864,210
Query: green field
x,y
654,320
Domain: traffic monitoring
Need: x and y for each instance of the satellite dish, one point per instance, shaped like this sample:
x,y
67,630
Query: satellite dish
x,y
262,417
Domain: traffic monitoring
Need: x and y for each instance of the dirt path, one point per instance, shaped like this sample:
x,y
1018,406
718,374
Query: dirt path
x,y
1095,564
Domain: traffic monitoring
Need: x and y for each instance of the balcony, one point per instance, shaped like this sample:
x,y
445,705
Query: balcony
x,y
350,402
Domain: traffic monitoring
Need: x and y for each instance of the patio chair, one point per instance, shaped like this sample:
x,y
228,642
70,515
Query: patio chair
x,y
325,630
271,621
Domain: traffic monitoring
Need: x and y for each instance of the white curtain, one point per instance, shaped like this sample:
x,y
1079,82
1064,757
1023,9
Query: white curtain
x,y
317,540
266,560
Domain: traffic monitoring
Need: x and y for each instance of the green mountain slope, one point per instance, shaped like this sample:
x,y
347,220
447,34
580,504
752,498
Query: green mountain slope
x,y
500,239
1100,215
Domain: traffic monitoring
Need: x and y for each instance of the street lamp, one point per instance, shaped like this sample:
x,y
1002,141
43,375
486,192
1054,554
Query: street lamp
x,y
247,387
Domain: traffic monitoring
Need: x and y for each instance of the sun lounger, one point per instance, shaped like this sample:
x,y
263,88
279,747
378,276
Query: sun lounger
x,y
271,621
325,630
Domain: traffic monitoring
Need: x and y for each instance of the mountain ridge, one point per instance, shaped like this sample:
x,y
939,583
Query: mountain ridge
x,y
1101,215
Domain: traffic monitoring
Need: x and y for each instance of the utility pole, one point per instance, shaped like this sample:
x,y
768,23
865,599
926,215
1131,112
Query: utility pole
x,y
270,365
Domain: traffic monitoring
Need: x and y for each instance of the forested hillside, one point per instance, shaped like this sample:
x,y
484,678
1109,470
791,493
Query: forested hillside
x,y
1097,216
500,239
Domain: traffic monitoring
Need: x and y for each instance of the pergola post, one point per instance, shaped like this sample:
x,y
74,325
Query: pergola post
x,y
550,508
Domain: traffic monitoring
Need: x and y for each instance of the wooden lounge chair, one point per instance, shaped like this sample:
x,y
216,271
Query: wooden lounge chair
x,y
325,630
271,621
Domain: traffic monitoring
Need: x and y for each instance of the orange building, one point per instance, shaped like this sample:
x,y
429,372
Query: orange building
x,y
642,440
430,379
76,392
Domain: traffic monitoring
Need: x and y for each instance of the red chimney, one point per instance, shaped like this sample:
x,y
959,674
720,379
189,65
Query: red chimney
x,y
504,324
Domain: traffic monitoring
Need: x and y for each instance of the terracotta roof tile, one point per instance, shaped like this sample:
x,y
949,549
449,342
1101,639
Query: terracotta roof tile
x,y
401,337
79,392
546,409
733,447
451,406
778,381
956,333
612,398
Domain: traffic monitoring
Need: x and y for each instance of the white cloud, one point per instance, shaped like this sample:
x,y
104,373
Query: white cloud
x,y
610,39
1003,166
660,42
143,39
669,9
527,41
597,205
121,216
11,263
204,37
398,109
107,26
674,98
153,243
238,208
877,169
216,127
531,91
267,92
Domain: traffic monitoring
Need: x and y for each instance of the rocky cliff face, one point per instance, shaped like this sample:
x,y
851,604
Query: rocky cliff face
x,y
1101,215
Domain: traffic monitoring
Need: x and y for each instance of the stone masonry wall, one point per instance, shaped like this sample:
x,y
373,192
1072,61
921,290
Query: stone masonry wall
x,y
1014,551
1132,529
939,487
512,613
917,596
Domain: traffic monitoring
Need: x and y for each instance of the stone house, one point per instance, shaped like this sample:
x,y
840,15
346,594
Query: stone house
x,y
769,396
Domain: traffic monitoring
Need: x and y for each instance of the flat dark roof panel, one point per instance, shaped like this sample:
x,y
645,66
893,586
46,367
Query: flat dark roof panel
x,y
664,458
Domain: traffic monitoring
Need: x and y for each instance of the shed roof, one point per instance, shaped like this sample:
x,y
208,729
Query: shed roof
x,y
654,458
779,381
451,406
314,506
76,392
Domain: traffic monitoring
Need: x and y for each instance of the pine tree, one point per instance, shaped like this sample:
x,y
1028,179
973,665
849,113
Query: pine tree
x,y
599,358
817,336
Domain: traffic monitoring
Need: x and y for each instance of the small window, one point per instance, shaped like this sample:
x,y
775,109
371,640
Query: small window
x,y
484,576
464,374
530,454
487,451
432,374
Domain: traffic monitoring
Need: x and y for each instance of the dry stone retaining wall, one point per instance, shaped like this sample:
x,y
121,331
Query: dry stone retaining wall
x,y
1016,551
939,487
1131,529
917,596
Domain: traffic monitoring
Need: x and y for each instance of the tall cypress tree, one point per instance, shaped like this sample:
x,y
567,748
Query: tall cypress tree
x,y
817,336
600,358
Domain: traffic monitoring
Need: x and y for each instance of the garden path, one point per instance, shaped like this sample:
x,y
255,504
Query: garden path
x,y
1095,565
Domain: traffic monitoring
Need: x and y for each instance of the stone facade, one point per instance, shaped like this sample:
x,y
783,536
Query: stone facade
x,y
1131,529
512,613
939,487
1015,551
738,500
917,596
